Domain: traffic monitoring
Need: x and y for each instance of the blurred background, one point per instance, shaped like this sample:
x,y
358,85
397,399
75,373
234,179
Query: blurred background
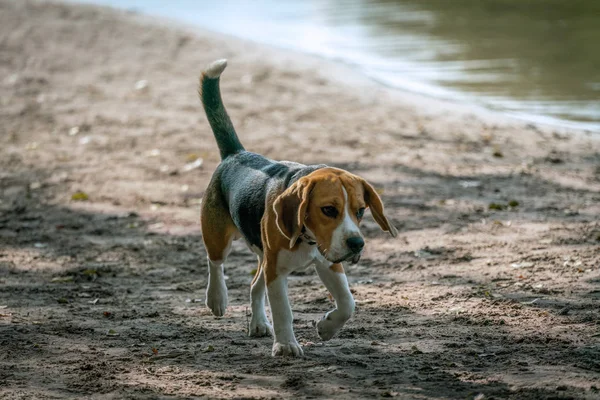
x,y
535,59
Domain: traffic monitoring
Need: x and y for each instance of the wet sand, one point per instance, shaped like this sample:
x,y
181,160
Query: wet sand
x,y
103,297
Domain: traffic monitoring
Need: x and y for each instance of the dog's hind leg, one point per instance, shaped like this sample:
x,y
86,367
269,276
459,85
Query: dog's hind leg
x,y
259,324
218,231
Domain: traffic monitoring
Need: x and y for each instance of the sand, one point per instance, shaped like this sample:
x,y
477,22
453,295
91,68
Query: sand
x,y
103,298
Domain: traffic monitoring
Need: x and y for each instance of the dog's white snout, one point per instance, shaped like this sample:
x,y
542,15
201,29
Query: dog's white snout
x,y
347,238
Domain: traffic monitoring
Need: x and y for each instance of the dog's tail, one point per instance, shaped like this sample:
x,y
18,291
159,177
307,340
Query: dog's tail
x,y
219,120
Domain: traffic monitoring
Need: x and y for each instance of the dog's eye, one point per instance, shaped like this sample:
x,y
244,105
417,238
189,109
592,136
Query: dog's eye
x,y
360,213
330,211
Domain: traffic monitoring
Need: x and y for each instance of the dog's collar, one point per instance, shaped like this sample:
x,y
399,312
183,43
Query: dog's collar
x,y
309,240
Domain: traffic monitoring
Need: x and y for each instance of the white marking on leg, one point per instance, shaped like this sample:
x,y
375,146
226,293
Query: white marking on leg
x,y
337,284
255,250
216,292
347,228
285,343
259,324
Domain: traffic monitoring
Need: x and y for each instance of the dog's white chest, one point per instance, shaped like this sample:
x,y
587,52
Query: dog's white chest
x,y
302,258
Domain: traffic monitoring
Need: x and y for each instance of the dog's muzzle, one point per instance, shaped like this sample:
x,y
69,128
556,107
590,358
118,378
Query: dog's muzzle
x,y
352,257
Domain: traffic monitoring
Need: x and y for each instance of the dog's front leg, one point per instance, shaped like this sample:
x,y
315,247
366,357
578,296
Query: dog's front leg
x,y
281,313
335,281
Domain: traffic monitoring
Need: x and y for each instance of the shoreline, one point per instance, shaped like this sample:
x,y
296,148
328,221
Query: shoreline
x,y
490,288
455,101
444,95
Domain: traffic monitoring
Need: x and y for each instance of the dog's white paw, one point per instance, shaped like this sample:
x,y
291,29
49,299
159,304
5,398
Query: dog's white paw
x,y
259,327
216,298
328,327
290,349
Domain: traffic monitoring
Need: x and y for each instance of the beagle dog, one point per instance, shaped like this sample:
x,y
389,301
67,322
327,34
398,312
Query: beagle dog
x,y
290,215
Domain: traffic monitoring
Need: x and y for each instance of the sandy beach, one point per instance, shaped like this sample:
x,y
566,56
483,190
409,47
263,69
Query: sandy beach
x,y
491,290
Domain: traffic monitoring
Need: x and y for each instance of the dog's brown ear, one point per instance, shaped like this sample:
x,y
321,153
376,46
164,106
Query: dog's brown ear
x,y
374,202
290,209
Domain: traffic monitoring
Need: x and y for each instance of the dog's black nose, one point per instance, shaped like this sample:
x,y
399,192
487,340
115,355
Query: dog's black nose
x,y
355,244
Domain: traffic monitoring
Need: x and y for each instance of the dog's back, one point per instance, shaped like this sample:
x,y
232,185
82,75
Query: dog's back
x,y
245,180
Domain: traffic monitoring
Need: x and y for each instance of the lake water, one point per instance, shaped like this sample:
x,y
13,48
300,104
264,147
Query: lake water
x,y
535,59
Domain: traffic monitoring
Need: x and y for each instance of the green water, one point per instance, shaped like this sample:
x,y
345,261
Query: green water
x,y
535,59
527,56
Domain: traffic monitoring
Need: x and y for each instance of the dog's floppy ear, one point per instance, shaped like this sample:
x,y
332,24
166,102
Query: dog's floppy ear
x,y
290,209
374,202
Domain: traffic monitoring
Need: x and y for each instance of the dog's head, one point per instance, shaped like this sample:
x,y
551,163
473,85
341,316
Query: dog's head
x,y
328,206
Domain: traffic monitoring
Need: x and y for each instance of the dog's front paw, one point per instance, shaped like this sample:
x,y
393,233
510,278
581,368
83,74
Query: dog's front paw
x,y
259,327
216,299
328,327
290,349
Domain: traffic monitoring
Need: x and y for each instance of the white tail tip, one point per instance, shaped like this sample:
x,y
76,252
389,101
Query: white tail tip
x,y
215,68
